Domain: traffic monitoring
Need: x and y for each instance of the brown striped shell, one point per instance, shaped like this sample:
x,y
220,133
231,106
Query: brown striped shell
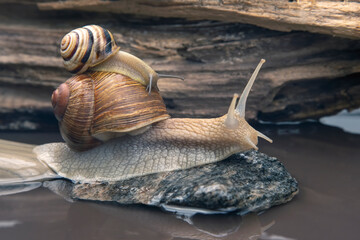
x,y
95,107
86,47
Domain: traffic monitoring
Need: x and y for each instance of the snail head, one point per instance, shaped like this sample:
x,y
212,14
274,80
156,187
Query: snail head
x,y
236,115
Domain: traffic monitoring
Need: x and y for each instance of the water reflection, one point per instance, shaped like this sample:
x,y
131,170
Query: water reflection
x,y
324,160
40,214
9,223
12,188
347,121
146,223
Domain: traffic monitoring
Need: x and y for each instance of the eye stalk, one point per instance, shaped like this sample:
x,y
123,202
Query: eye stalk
x,y
263,136
153,80
233,115
231,122
240,109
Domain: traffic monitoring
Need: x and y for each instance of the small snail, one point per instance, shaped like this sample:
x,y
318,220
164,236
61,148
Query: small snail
x,y
93,47
170,144
94,107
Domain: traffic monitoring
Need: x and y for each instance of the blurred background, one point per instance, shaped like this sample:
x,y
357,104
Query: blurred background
x,y
214,45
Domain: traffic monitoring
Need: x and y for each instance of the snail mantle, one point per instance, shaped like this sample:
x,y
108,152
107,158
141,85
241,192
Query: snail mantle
x,y
245,182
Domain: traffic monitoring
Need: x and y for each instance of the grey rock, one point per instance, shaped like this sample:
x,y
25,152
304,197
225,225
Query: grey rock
x,y
245,182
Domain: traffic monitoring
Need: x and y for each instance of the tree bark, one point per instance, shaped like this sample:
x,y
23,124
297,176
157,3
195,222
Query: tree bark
x,y
306,75
334,17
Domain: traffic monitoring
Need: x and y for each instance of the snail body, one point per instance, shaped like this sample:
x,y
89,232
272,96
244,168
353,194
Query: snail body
x,y
93,48
129,65
171,144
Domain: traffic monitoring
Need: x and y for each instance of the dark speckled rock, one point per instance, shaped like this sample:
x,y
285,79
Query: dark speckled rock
x,y
246,182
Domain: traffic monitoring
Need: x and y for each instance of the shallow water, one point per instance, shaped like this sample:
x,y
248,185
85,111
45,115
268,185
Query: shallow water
x,y
348,121
325,160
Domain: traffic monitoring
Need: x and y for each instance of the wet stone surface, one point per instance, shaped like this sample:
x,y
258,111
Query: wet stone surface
x,y
245,182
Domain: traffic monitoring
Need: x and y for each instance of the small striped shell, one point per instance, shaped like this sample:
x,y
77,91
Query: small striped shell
x,y
100,106
86,47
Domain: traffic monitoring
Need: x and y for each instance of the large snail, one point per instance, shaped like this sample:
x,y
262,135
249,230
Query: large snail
x,y
157,144
93,47
94,107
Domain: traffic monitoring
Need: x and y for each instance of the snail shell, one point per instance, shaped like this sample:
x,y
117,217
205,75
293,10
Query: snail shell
x,y
93,48
86,47
97,106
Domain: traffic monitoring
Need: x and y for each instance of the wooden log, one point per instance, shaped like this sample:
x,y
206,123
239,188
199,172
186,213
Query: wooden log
x,y
334,17
216,59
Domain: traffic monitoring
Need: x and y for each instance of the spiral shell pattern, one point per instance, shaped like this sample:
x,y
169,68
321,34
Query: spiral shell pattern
x,y
86,47
59,100
94,105
123,104
77,118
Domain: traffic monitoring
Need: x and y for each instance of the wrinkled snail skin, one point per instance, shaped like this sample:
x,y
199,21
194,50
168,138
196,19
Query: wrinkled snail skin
x,y
95,107
129,65
93,48
168,145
